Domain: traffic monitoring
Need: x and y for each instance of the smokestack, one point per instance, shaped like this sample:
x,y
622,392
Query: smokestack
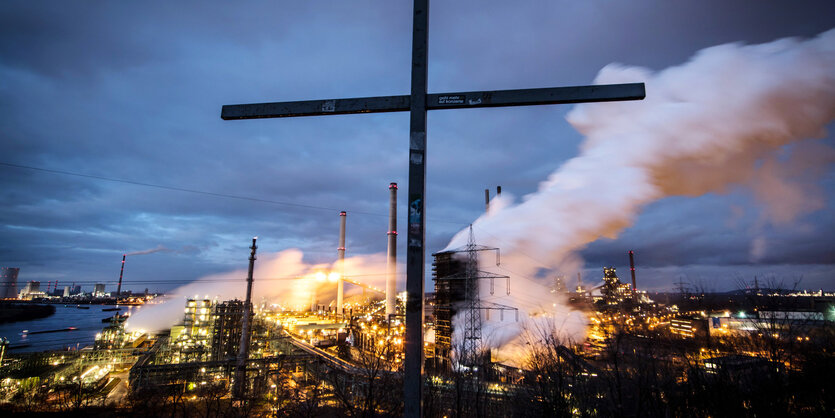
x,y
391,259
579,280
340,284
632,270
119,289
498,191
486,200
246,328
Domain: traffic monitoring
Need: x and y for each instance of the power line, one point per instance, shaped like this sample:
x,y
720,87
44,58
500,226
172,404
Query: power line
x,y
181,189
187,281
200,192
541,263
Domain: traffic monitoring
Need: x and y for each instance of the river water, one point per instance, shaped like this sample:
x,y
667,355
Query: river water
x,y
87,321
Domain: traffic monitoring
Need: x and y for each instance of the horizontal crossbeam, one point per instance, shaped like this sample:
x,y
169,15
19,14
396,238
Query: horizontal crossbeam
x,y
316,107
473,99
543,96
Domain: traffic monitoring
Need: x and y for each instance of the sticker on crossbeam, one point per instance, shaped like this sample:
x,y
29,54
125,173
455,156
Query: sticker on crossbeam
x,y
454,99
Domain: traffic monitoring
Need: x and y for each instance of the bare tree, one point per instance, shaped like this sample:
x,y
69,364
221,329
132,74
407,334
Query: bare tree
x,y
366,388
211,399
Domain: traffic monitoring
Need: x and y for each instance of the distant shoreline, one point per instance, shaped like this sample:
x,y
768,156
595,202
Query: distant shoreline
x,y
72,301
18,312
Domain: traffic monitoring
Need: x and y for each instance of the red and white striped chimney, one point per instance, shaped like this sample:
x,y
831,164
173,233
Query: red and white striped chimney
x,y
119,289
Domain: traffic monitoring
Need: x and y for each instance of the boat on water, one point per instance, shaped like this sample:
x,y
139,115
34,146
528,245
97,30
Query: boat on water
x,y
50,330
117,318
111,309
82,307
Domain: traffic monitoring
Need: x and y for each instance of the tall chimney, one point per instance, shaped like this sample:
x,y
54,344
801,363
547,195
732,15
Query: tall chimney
x,y
486,200
632,270
391,259
340,252
498,191
579,279
246,329
119,289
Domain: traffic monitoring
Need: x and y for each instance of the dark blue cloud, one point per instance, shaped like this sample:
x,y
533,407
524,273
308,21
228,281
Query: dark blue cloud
x,y
133,91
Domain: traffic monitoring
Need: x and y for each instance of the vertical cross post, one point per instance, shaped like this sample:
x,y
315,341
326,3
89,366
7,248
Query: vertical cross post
x,y
415,251
418,102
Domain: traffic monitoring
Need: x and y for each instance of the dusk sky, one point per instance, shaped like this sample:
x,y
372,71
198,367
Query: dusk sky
x,y
132,91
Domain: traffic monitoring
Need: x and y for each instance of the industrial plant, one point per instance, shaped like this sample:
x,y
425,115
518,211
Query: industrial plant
x,y
345,356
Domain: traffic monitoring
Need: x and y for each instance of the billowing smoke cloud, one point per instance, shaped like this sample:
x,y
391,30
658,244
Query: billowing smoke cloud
x,y
723,118
282,278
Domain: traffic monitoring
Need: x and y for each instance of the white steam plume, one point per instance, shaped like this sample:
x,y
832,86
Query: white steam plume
x,y
282,278
159,248
714,121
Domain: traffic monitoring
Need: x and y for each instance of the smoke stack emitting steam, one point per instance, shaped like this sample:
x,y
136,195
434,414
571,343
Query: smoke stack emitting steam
x,y
704,125
119,289
159,248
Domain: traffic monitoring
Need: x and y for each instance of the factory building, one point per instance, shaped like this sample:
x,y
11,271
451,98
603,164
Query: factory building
x,y
210,331
614,291
450,291
227,318
193,338
8,282
32,290
98,291
689,327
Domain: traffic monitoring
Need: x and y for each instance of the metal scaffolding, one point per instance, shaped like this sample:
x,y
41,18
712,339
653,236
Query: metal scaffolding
x,y
457,287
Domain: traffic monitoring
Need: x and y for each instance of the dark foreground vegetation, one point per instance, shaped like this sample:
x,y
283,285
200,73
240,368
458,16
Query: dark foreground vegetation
x,y
638,372
632,365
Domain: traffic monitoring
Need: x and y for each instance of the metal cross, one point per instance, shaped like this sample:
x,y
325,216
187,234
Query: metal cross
x,y
417,103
